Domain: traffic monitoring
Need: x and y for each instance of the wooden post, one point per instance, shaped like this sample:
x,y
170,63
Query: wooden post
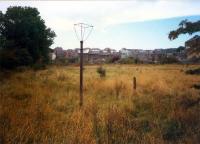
x,y
134,83
81,73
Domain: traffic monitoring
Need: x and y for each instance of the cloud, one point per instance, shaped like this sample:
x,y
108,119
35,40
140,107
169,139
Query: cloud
x,y
63,14
143,11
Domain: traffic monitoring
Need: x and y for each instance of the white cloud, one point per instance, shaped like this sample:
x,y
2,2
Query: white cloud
x,y
62,14
142,11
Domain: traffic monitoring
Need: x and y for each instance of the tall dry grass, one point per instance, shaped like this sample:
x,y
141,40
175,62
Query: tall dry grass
x,y
43,106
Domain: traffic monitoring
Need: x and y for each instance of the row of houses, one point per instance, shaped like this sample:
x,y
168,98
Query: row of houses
x,y
91,55
96,55
155,56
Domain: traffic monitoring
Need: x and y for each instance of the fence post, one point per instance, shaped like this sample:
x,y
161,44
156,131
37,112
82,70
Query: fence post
x,y
134,83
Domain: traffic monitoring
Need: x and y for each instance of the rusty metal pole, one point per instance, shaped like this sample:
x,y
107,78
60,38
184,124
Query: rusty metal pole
x,y
82,37
81,73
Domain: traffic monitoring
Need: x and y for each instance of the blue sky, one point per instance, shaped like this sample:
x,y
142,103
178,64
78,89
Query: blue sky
x,y
149,34
142,24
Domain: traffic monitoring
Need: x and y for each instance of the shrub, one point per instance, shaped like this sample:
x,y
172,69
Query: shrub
x,y
10,59
61,61
196,86
168,60
101,71
130,60
22,68
127,61
39,66
193,71
164,59
113,59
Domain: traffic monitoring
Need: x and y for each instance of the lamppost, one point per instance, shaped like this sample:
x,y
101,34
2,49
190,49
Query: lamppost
x,y
82,31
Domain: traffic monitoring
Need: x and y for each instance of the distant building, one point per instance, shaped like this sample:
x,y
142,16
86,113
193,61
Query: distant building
x,y
52,54
70,53
139,54
109,51
60,53
176,54
126,53
154,56
145,56
97,55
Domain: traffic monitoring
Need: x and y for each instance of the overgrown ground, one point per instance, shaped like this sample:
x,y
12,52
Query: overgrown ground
x,y
43,106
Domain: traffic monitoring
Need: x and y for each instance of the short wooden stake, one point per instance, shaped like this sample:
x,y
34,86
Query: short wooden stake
x,y
134,83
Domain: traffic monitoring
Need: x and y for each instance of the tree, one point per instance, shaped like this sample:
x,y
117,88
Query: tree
x,y
185,27
2,39
25,35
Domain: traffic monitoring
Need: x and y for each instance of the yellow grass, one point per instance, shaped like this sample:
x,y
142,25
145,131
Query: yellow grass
x,y
43,106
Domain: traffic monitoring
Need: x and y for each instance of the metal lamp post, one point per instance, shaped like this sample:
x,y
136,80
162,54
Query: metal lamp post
x,y
82,31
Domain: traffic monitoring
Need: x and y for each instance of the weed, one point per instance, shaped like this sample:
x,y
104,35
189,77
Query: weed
x,y
101,71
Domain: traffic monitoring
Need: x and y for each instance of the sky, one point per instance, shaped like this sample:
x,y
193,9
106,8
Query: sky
x,y
134,24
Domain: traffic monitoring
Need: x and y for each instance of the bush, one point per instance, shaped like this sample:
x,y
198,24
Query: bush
x,y
39,66
10,59
168,60
130,61
61,61
193,71
196,86
101,71
127,61
113,59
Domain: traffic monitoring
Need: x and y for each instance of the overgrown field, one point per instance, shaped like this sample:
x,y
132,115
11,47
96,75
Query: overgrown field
x,y
43,106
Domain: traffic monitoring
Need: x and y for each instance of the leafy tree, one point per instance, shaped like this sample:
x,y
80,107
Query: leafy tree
x,y
186,27
1,29
25,35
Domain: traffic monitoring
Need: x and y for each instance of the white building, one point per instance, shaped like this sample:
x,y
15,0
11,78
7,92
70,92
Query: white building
x,y
52,56
125,53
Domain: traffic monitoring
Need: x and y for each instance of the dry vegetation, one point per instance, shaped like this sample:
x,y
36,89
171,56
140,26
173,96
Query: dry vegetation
x,y
43,106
